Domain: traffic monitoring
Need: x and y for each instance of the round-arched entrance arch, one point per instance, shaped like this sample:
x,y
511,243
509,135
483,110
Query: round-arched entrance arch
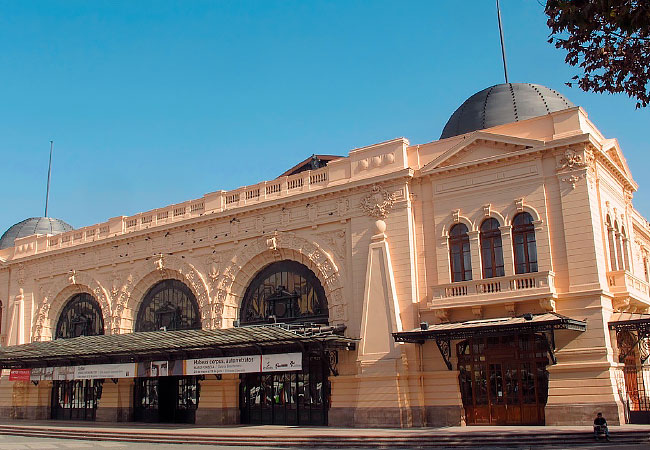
x,y
168,306
78,399
503,379
286,292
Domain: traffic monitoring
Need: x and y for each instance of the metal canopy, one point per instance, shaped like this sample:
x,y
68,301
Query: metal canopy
x,y
637,323
631,322
444,333
184,344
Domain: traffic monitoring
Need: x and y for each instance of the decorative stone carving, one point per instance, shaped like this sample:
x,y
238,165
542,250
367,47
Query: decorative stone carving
x,y
519,204
547,304
442,314
487,210
510,309
71,276
477,311
159,263
573,179
455,215
378,202
571,160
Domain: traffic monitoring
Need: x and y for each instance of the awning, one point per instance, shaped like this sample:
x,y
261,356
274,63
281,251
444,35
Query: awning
x,y
633,322
630,322
170,345
443,333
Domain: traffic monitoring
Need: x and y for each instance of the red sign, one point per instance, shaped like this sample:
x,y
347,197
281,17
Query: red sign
x,y
19,374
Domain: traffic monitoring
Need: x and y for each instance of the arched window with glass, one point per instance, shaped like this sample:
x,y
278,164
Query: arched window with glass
x,y
81,316
167,306
460,257
619,247
524,244
78,399
284,291
491,249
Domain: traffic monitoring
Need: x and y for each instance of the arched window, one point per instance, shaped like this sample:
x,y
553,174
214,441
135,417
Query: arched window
x,y
525,246
491,250
81,316
0,317
460,256
169,305
285,291
626,257
611,242
645,268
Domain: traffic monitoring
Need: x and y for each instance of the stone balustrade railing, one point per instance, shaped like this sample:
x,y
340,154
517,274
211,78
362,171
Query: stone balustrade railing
x,y
622,281
210,203
493,288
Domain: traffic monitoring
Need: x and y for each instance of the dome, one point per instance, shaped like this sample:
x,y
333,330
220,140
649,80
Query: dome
x,y
501,104
34,225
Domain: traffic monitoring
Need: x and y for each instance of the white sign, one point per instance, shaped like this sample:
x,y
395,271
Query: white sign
x,y
282,362
96,371
234,364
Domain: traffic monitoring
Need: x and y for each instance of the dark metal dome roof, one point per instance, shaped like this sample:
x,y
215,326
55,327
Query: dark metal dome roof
x,y
34,225
501,104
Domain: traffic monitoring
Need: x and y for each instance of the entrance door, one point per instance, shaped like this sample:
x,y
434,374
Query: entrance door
x,y
166,399
503,379
286,398
75,400
637,379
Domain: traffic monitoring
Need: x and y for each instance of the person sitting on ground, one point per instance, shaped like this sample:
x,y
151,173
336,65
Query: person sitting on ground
x,y
600,423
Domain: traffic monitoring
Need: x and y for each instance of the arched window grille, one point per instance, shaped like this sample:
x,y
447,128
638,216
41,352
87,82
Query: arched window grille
x,y
491,249
81,316
645,268
611,242
626,256
460,256
169,305
525,246
285,291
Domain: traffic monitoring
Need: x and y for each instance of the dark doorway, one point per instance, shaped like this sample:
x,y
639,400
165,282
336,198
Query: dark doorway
x,y
287,398
503,379
637,378
166,399
75,400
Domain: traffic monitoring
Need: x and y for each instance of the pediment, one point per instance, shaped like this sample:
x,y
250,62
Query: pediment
x,y
480,146
613,150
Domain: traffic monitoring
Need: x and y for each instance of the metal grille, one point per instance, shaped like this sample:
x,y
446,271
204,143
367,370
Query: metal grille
x,y
169,305
76,400
82,316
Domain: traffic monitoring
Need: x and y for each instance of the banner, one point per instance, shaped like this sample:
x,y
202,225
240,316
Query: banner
x,y
42,373
20,374
282,362
96,371
235,364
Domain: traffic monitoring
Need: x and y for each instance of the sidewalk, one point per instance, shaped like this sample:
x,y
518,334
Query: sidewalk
x,y
293,436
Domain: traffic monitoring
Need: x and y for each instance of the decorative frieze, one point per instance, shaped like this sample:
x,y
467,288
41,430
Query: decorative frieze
x,y
378,202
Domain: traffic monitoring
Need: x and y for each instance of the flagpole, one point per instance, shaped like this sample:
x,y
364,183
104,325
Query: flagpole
x,y
503,46
49,171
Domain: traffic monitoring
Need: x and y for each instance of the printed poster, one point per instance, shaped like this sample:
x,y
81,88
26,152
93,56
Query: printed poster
x,y
282,362
97,371
234,364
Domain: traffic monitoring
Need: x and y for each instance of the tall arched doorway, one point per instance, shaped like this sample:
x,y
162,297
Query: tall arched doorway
x,y
286,292
78,399
503,379
168,306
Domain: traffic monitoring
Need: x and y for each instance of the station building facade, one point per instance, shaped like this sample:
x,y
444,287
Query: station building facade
x,y
498,275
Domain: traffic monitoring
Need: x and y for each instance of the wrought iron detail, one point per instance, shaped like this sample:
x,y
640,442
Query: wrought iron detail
x,y
550,342
445,350
81,316
169,305
333,361
285,292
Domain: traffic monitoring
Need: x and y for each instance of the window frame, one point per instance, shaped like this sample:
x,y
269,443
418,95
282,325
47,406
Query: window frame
x,y
526,231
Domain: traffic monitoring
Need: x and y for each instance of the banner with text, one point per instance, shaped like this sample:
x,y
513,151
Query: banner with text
x,y
282,362
234,364
96,371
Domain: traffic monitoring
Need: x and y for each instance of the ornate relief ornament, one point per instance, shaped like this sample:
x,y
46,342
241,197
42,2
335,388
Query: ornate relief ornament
x,y
378,202
571,160
573,179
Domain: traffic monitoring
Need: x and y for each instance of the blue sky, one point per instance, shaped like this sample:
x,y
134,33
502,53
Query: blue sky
x,y
156,102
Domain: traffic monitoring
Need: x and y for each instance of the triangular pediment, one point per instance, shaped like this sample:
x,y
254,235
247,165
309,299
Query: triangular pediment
x,y
481,146
613,150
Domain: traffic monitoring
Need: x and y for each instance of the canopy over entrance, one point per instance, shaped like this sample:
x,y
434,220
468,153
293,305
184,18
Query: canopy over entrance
x,y
631,322
443,333
169,345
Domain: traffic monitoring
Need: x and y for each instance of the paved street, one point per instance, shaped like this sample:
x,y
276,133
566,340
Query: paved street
x,y
19,443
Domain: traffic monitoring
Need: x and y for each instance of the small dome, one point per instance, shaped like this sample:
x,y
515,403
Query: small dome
x,y
501,104
34,225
